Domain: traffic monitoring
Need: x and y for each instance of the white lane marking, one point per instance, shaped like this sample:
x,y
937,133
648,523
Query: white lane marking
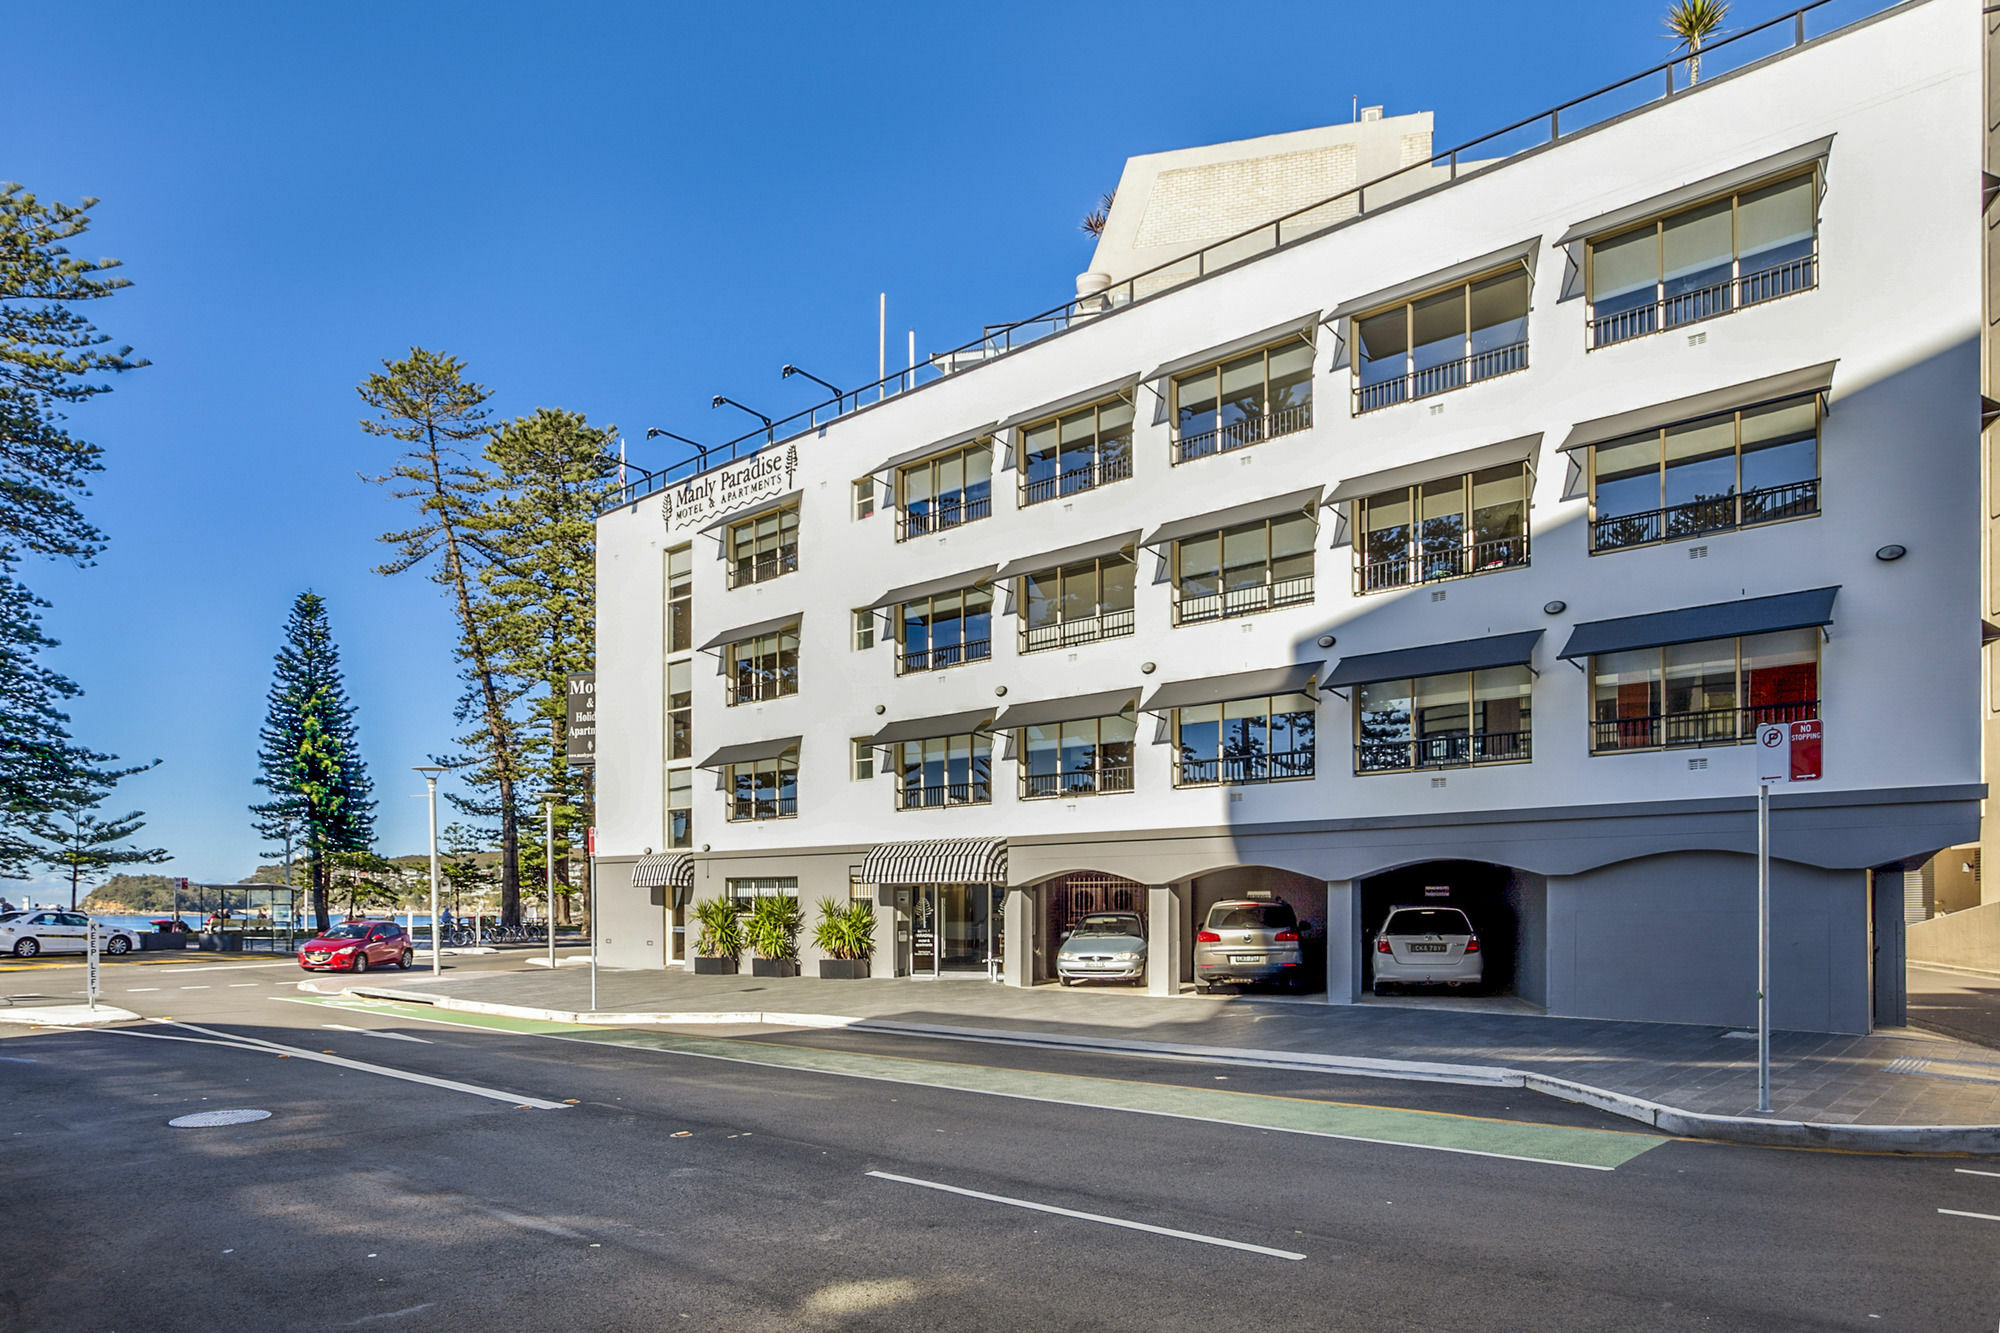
x,y
194,988
387,1314
1089,1217
139,990
1968,1171
370,1032
238,985
1984,1217
408,1076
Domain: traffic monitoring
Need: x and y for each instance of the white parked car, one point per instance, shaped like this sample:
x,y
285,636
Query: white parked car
x,y
25,934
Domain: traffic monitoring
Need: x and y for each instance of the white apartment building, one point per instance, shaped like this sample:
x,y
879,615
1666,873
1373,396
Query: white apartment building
x,y
1454,546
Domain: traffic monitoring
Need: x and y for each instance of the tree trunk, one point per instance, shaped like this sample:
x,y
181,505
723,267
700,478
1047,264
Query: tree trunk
x,y
510,857
316,867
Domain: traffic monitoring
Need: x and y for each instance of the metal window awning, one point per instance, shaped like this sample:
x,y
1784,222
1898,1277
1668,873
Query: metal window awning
x,y
1808,379
1303,326
1295,679
941,861
1068,555
1437,659
1696,191
1523,253
751,631
1812,609
749,752
931,728
664,870
1122,387
1522,450
949,442
754,511
1107,703
1295,502
910,592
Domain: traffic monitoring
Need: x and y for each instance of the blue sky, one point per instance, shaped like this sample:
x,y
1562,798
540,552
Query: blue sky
x,y
615,209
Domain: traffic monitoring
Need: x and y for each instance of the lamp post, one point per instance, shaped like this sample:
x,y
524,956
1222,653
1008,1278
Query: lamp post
x,y
549,856
696,445
770,428
430,773
839,395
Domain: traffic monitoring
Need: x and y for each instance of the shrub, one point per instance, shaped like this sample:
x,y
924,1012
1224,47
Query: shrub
x,y
846,932
773,928
721,929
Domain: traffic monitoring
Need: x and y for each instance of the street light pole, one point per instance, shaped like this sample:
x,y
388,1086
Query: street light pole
x,y
431,780
549,856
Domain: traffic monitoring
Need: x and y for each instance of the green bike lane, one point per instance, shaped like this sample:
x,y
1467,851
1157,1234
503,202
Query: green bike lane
x,y
1485,1136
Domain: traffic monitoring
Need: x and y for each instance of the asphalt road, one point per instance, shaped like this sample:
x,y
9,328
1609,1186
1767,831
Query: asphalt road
x,y
1958,1004
752,1180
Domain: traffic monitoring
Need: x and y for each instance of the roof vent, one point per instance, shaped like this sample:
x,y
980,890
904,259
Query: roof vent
x,y
1371,113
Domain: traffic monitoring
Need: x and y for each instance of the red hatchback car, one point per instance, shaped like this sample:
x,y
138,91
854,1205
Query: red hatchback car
x,y
356,946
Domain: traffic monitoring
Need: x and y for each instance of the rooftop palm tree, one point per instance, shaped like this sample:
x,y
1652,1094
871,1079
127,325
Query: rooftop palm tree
x,y
1692,22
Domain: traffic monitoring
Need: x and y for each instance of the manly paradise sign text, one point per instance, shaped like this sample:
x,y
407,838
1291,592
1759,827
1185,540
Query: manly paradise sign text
x,y
727,489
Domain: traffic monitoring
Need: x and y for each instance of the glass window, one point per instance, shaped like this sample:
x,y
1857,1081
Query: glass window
x,y
680,808
863,759
1067,605
1714,692
864,630
680,709
1465,717
946,630
1078,758
764,789
680,599
747,891
1243,400
764,547
1442,340
944,771
945,491
1078,451
1245,569
1443,529
1757,465
864,498
766,667
1246,740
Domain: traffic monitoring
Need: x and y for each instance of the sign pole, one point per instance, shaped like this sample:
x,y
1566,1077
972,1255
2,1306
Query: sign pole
x,y
550,857
1764,947
593,920
91,983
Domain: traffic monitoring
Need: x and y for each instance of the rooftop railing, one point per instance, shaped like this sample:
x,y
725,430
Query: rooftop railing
x,y
1654,84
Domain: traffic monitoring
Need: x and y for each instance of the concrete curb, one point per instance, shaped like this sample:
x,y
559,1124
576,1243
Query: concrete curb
x,y
1983,1140
65,1015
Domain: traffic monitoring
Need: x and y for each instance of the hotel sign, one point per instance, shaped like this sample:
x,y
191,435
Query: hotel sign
x,y
703,499
580,717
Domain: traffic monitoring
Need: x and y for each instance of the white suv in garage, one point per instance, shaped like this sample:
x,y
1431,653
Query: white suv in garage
x,y
1427,946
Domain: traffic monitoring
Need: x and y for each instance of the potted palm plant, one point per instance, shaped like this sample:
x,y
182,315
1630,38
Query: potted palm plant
x,y
773,933
846,935
721,937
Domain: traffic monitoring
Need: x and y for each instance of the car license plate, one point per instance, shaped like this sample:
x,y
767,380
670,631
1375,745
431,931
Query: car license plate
x,y
1246,958
1426,948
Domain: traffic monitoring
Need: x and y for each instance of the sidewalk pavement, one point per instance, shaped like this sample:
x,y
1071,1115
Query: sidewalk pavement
x,y
1894,1090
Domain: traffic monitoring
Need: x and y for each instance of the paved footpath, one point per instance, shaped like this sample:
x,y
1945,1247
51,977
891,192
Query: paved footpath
x,y
1889,1086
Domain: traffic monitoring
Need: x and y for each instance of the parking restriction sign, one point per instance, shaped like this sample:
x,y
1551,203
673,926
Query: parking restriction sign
x,y
1788,751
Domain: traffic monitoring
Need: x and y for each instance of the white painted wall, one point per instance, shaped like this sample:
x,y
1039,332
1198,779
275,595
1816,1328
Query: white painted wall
x,y
1898,308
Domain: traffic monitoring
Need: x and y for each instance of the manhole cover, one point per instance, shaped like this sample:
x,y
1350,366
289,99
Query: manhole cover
x,y
207,1119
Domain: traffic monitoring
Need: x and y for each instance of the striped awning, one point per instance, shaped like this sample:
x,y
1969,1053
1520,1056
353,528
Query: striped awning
x,y
941,861
664,870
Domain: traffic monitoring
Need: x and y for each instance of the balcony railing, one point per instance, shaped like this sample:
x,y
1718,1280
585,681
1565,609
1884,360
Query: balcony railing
x,y
944,655
771,564
1194,610
1243,433
1088,782
1454,751
1236,770
942,518
1721,513
1433,380
1700,303
940,795
750,807
762,688
1714,726
1097,472
1070,633
1435,563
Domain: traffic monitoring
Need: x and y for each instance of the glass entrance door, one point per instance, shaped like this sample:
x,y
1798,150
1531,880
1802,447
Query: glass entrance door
x,y
956,928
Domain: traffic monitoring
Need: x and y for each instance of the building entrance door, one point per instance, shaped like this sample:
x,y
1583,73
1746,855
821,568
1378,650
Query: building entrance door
x,y
955,929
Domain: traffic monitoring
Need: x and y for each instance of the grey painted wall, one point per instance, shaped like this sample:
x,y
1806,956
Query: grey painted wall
x,y
1528,896
1674,939
631,923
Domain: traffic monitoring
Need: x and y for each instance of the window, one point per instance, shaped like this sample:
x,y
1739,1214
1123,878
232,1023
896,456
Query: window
x,y
864,498
1245,740
1444,529
945,491
1079,603
1465,333
765,788
861,760
766,667
864,630
945,770
1078,758
746,891
680,709
764,547
947,630
1076,452
1243,570
1711,693
1736,470
1466,717
680,599
1243,400
680,808
1739,250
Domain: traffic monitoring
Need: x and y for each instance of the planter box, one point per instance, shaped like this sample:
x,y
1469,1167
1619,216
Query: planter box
x,y
154,941
714,967
843,969
774,967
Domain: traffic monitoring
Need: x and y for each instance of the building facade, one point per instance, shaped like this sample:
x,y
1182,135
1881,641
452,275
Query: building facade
x,y
1454,550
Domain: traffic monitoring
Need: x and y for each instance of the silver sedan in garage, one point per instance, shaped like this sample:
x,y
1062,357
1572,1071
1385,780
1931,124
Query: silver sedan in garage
x,y
1104,946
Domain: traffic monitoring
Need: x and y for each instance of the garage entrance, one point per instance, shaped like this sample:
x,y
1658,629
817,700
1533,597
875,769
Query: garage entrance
x,y
1307,897
1507,908
1068,899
